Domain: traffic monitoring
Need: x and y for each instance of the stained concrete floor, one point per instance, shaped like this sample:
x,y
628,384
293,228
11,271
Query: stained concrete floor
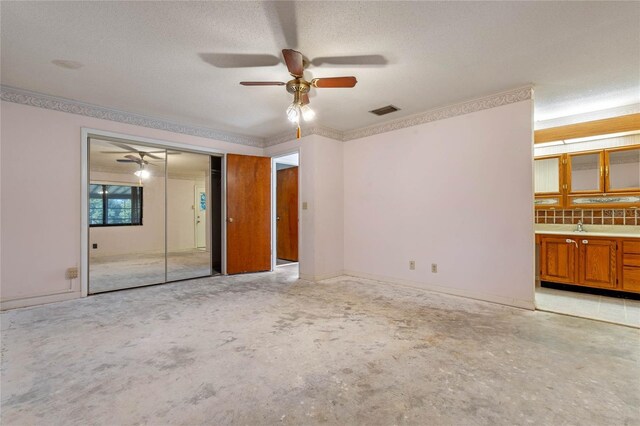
x,y
269,349
108,273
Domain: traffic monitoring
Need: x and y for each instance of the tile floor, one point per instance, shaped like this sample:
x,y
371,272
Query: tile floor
x,y
603,308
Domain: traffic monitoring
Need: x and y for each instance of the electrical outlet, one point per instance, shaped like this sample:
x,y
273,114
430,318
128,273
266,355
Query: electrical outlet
x,y
434,268
71,273
305,206
412,265
94,245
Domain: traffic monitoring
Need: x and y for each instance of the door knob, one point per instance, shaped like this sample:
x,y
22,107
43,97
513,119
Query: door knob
x,y
230,219
278,218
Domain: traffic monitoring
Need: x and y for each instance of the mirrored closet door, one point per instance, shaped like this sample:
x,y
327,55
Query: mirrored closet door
x,y
150,215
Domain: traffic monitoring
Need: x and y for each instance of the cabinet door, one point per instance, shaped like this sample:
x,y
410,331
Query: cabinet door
x,y
598,263
631,265
548,175
622,169
586,172
558,260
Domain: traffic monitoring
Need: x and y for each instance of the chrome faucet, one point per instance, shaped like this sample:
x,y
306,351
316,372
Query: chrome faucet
x,y
579,227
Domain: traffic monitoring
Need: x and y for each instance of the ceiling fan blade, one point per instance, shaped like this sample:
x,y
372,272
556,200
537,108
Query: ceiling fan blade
x,y
164,152
239,60
294,61
121,160
133,158
150,155
305,99
262,83
366,60
334,82
124,146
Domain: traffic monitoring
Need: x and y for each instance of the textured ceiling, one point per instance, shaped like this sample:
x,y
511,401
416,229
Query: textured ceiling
x,y
154,58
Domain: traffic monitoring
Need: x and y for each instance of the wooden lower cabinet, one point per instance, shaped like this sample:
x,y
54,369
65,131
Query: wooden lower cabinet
x,y
631,266
558,260
597,263
608,263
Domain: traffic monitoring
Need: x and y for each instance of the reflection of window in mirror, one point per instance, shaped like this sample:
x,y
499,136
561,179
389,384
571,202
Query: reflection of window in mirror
x,y
585,172
547,175
624,169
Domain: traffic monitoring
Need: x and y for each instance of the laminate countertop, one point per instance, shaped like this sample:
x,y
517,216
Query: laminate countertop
x,y
613,231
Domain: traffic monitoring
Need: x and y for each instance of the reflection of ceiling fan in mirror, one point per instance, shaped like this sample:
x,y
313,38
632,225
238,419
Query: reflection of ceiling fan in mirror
x,y
138,157
142,154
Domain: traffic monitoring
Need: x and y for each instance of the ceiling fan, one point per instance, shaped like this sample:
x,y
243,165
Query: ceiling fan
x,y
150,154
300,87
142,173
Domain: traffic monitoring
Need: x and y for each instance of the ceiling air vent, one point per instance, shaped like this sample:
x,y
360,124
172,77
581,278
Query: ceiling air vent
x,y
385,110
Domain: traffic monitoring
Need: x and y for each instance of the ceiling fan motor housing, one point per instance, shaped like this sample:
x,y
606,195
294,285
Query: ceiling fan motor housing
x,y
298,85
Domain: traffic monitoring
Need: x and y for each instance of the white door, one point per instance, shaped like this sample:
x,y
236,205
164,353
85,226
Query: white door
x,y
200,210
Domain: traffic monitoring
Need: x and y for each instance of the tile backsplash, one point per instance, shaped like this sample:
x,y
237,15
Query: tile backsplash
x,y
589,217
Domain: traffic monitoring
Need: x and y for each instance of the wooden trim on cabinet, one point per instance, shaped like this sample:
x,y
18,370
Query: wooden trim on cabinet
x,y
568,177
624,123
607,165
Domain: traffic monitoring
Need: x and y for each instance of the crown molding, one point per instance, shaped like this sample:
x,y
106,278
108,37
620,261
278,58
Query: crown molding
x,y
26,97
498,99
467,107
327,132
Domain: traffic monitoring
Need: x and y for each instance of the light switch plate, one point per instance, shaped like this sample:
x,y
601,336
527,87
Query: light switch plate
x,y
304,205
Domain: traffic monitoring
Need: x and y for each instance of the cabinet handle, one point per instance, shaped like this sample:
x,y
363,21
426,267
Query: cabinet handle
x,y
606,171
601,171
585,241
571,241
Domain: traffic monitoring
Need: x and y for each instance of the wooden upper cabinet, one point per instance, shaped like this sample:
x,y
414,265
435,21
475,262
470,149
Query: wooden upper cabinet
x,y
558,257
604,178
622,169
548,175
549,181
585,172
597,263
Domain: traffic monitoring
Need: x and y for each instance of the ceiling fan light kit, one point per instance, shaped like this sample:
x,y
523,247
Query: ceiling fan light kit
x,y
300,87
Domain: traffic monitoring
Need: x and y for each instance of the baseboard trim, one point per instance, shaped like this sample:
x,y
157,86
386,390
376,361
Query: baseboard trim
x,y
38,300
315,278
516,303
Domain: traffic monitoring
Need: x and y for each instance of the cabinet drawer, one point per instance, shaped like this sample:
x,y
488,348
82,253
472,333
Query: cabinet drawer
x,y
631,259
631,246
631,279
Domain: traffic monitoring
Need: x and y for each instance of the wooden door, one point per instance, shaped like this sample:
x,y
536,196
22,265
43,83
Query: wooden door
x,y
287,214
598,263
558,259
248,214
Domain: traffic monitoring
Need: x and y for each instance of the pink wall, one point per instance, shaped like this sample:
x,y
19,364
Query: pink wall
x,y
456,192
40,183
321,187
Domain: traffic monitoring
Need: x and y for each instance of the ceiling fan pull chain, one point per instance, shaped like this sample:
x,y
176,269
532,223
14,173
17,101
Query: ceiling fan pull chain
x,y
298,132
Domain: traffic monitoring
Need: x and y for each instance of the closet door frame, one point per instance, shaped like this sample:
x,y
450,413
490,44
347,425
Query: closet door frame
x,y
86,134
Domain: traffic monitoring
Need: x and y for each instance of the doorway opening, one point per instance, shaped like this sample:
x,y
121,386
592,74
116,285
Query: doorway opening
x,y
587,227
286,196
152,213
